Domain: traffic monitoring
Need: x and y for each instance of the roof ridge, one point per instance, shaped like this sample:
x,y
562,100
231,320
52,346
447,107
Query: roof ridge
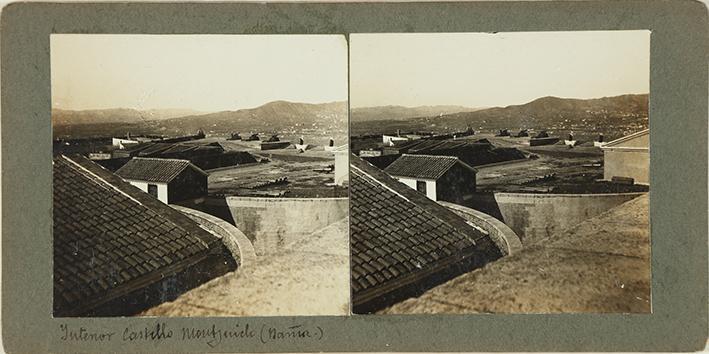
x,y
422,166
380,183
161,159
156,169
83,170
435,156
627,137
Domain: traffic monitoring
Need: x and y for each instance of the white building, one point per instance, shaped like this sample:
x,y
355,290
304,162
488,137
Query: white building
x,y
438,177
370,153
629,157
389,140
124,143
342,165
168,180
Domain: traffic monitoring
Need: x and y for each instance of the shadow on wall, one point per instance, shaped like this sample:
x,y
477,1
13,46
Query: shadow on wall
x,y
272,223
484,202
536,216
215,206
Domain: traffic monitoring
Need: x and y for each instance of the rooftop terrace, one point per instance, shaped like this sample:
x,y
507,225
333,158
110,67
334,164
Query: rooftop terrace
x,y
602,265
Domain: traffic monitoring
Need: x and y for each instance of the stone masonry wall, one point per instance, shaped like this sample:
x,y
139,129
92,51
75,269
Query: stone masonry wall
x,y
536,216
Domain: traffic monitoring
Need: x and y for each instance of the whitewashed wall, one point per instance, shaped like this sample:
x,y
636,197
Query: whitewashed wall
x,y
430,186
162,189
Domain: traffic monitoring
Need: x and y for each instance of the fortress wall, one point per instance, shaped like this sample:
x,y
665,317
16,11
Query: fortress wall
x,y
501,234
534,216
235,241
272,223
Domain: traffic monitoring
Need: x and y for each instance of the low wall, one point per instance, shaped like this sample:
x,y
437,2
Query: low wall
x,y
272,223
535,216
503,236
235,241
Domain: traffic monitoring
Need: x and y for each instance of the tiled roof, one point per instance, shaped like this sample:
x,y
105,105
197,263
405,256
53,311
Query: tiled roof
x,y
154,169
421,166
109,237
399,235
472,152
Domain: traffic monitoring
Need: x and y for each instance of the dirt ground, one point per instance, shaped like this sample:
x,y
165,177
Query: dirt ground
x,y
553,169
309,174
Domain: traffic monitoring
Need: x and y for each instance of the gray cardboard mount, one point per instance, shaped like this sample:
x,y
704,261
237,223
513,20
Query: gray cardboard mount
x,y
678,209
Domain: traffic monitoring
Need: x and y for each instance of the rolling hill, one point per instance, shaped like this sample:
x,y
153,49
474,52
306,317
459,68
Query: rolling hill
x,y
364,114
115,115
554,113
272,116
277,116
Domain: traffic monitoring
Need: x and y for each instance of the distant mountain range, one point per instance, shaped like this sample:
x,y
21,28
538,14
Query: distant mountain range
x,y
552,109
364,114
615,115
115,115
543,113
271,117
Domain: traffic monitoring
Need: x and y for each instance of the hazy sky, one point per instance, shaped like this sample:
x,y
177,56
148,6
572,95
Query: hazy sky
x,y
203,72
483,70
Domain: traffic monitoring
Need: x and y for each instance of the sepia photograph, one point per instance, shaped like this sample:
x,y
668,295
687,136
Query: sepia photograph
x,y
500,172
447,176
200,175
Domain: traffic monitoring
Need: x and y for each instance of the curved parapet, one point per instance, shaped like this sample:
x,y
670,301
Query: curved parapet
x,y
506,239
238,244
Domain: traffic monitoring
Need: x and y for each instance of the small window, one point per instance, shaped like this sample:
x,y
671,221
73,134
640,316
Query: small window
x,y
421,186
153,190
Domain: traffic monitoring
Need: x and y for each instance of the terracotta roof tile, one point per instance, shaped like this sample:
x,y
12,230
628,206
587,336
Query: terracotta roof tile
x,y
116,241
154,169
396,233
421,166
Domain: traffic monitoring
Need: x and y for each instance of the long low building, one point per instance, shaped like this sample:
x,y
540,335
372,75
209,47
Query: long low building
x,y
118,250
402,242
472,152
202,154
